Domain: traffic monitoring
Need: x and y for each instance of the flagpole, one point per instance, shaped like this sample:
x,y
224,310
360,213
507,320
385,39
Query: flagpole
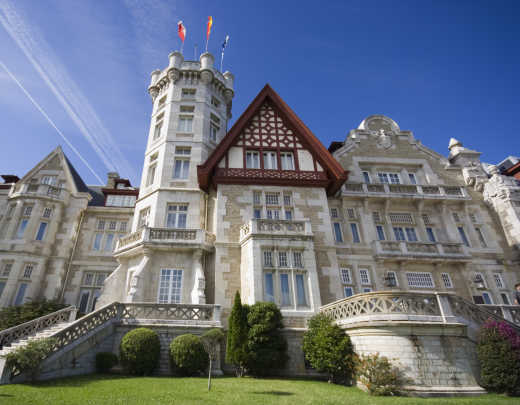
x,y
207,40
195,52
182,47
221,60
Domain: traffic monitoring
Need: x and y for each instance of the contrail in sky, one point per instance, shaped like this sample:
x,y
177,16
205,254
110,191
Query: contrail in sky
x,y
40,109
55,76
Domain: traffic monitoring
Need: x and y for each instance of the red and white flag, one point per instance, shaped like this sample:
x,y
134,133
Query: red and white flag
x,y
181,30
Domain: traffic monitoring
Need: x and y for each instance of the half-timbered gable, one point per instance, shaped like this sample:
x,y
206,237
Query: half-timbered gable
x,y
270,145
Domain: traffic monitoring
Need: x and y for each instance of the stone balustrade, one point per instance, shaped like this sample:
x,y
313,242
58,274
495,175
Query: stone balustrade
x,y
276,227
41,190
165,235
405,190
389,250
417,306
7,336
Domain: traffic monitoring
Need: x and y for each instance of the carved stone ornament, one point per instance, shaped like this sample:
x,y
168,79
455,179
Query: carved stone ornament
x,y
206,76
383,140
173,75
154,92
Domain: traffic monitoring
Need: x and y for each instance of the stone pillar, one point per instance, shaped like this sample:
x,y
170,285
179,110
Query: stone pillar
x,y
199,282
11,286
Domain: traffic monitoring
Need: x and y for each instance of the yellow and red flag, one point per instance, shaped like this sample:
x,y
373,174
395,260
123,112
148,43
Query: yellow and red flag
x,y
208,30
182,31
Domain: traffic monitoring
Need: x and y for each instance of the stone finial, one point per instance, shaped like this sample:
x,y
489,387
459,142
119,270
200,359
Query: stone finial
x,y
176,60
454,142
230,80
206,61
493,170
154,76
154,92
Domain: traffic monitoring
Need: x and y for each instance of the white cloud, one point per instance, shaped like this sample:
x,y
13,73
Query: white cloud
x,y
68,93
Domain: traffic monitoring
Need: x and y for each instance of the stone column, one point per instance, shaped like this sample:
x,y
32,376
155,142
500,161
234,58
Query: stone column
x,y
199,282
11,285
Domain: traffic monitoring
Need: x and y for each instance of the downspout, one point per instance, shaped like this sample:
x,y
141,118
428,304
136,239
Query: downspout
x,y
69,265
206,211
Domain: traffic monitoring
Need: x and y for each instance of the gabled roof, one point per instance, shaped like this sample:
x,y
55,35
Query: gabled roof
x,y
335,172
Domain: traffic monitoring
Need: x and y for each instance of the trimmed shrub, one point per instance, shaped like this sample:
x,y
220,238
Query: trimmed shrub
x,y
105,361
266,347
499,354
188,356
12,316
139,351
28,358
236,348
328,349
378,375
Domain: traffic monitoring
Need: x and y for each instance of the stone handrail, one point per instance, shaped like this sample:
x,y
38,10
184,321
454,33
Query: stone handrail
x,y
419,307
418,190
169,312
131,238
441,250
276,227
167,235
7,336
40,189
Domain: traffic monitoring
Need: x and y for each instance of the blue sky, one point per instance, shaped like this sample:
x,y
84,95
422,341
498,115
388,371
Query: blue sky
x,y
439,68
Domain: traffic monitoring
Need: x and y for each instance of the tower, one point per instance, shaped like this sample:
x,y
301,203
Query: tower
x,y
163,259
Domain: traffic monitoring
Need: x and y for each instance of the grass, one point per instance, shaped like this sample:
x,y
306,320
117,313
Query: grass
x,y
110,389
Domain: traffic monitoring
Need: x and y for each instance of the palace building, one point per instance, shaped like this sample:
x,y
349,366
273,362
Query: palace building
x,y
263,208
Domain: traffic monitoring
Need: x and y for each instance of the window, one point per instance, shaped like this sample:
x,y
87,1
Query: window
x,y
272,214
101,225
479,279
284,287
505,298
288,215
170,286
185,124
114,200
109,239
268,287
391,279
301,298
188,94
215,102
334,212
297,260
47,212
97,241
176,216
151,175
426,219
112,225
421,280
366,177
345,276
398,233
7,269
183,150
161,103
282,259
27,211
2,286
252,160
213,131
268,258
27,271
392,178
473,217
257,213
487,298
380,232
498,280
463,236
376,217
144,215
181,168
271,198
430,234
158,126
481,237
349,291
456,216
411,177
90,291
270,161
187,108
446,279
50,180
21,228
367,290
287,162
355,233
287,200
338,237
364,276
20,294
257,197
411,235
351,213
41,231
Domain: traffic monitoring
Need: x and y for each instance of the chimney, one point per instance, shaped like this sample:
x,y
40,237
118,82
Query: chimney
x,y
111,179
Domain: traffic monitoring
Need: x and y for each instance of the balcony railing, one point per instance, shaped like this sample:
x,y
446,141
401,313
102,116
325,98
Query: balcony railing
x,y
42,190
278,227
166,235
405,190
417,250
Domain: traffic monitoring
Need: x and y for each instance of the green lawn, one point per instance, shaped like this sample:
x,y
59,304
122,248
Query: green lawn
x,y
111,389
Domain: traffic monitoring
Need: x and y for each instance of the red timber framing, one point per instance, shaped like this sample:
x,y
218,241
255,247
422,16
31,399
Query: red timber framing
x,y
269,125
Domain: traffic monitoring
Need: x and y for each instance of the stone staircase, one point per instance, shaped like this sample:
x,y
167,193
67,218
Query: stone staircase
x,y
44,333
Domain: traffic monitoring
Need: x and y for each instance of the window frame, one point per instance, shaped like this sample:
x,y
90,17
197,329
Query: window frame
x,y
338,233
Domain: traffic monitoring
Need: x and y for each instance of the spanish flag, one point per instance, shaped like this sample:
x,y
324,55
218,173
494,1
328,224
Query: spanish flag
x,y
208,30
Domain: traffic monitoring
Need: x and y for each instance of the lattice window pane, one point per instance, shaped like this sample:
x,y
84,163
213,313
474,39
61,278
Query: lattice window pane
x,y
345,276
498,280
27,272
282,259
268,258
297,260
351,213
446,279
376,217
334,212
364,276
272,199
418,279
401,218
426,219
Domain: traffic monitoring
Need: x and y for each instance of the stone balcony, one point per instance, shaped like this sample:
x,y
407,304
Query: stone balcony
x,y
402,250
383,190
276,228
41,190
166,238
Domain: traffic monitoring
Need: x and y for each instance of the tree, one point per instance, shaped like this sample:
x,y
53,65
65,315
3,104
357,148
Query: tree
x,y
266,347
211,341
328,349
236,348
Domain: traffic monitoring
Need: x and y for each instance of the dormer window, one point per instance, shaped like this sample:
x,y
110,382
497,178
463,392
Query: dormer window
x,y
389,178
50,180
